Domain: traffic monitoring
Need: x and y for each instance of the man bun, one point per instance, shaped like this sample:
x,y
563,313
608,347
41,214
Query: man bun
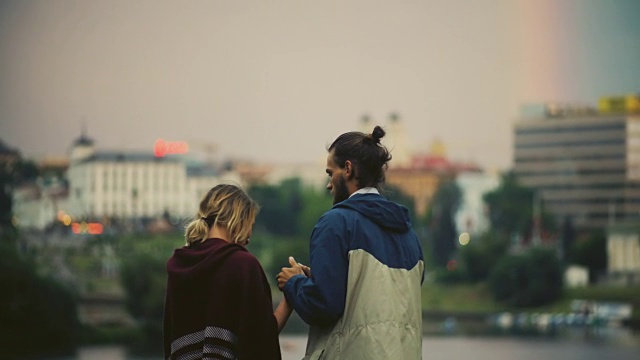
x,y
377,134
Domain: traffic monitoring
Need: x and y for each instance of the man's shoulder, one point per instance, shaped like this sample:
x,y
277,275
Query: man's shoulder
x,y
334,218
339,212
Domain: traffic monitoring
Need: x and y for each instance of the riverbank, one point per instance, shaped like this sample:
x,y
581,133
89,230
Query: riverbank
x,y
474,301
460,309
448,347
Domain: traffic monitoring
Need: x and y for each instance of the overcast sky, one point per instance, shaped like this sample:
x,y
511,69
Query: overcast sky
x,y
279,80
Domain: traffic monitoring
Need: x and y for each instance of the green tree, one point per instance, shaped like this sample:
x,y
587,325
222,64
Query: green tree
x,y
442,232
275,238
568,238
480,256
143,277
511,209
34,310
273,251
527,280
6,203
592,253
314,204
281,205
11,174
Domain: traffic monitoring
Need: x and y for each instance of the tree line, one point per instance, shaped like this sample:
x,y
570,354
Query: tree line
x,y
523,254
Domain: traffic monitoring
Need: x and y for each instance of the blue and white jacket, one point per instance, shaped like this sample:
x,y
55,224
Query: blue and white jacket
x,y
363,300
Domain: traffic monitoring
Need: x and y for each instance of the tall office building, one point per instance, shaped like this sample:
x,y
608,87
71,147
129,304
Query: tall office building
x,y
583,163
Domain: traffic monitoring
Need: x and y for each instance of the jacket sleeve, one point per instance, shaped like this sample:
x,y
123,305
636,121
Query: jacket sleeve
x,y
320,299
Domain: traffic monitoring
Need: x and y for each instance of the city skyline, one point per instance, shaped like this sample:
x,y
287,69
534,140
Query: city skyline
x,y
278,82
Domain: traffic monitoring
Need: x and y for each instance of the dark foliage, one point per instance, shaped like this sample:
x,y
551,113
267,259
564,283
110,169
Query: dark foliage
x,y
510,207
37,315
442,232
528,280
144,279
280,207
480,256
592,253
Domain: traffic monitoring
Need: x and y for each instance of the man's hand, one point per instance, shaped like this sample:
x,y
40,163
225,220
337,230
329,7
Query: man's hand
x,y
288,272
305,269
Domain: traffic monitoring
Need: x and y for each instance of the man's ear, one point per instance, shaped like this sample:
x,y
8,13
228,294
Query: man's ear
x,y
348,169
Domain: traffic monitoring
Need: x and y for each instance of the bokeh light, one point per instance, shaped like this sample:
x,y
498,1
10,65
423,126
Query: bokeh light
x,y
464,238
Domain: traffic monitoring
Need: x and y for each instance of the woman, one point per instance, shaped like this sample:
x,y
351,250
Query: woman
x,y
218,301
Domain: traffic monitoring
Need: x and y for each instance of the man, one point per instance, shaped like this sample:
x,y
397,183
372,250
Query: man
x,y
361,295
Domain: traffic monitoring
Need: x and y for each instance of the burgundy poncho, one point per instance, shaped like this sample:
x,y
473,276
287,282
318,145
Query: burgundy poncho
x,y
218,304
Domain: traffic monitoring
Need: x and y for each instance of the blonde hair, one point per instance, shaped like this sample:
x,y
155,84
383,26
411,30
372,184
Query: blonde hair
x,y
227,206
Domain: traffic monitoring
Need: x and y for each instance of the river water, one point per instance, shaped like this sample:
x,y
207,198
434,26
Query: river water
x,y
621,347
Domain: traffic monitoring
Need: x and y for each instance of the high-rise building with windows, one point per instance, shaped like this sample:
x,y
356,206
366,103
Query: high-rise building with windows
x,y
583,163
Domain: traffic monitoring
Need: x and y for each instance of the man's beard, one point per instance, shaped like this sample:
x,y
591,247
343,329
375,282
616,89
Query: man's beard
x,y
340,191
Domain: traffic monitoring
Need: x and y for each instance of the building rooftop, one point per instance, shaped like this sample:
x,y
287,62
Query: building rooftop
x,y
119,156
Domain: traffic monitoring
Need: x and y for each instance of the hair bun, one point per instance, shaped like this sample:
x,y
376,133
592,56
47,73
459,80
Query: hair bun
x,y
377,134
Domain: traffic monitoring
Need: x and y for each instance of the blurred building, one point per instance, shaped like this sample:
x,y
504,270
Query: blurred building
x,y
421,178
583,162
472,216
623,253
419,174
19,194
136,185
311,175
106,185
36,204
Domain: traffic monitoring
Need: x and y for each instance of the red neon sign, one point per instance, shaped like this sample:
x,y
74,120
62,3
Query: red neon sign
x,y
162,147
87,228
95,228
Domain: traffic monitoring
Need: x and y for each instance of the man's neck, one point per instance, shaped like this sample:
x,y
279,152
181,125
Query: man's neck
x,y
366,190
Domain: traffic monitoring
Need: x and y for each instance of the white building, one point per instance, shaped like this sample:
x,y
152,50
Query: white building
x,y
623,253
312,175
472,214
36,206
136,185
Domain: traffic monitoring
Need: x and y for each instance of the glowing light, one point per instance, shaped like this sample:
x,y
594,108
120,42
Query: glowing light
x,y
162,147
95,228
464,238
87,228
66,220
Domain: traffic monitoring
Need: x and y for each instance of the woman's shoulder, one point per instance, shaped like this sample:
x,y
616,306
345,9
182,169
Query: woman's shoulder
x,y
244,258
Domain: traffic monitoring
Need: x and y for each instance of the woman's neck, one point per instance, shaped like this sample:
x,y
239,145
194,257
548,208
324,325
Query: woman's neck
x,y
219,233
